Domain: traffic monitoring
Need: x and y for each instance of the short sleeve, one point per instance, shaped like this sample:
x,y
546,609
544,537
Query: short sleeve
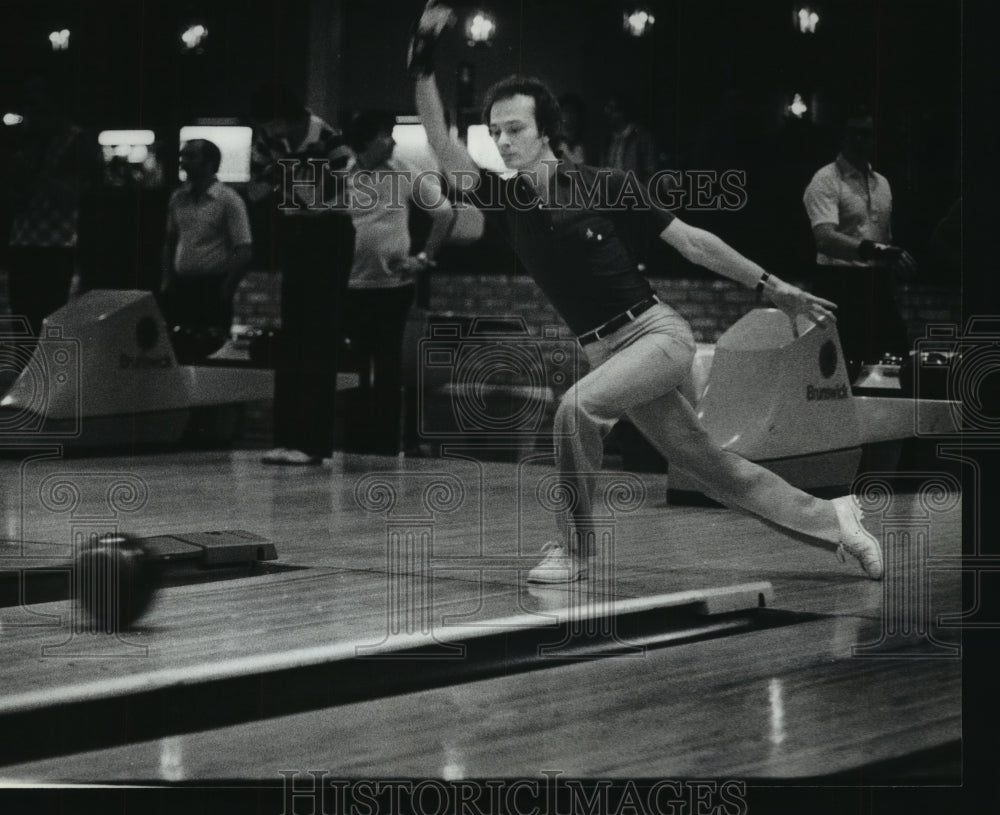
x,y
237,220
821,200
627,192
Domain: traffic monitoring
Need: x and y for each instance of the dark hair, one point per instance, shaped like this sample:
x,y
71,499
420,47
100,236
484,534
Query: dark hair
x,y
275,101
366,125
547,116
210,152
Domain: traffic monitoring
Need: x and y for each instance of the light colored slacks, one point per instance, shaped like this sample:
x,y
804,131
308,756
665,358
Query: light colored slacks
x,y
635,373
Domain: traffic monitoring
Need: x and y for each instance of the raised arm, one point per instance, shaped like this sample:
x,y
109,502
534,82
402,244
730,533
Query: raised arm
x,y
452,156
433,200
708,250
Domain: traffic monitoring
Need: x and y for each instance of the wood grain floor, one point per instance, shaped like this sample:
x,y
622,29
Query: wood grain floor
x,y
865,673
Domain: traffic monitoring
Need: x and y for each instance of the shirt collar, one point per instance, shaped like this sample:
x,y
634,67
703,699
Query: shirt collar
x,y
846,168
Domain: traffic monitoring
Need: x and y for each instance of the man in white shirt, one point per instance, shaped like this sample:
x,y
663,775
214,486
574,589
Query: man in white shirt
x,y
206,250
850,210
383,276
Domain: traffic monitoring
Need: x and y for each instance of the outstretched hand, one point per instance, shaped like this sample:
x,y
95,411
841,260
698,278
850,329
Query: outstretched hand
x,y
794,301
434,20
895,257
436,17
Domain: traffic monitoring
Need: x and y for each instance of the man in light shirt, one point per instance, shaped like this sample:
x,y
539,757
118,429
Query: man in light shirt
x,y
206,250
850,210
384,273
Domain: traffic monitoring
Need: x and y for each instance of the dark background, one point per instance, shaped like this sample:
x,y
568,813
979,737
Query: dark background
x,y
712,82
930,66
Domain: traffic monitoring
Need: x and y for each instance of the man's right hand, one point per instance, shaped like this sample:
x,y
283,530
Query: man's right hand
x,y
436,17
434,20
895,257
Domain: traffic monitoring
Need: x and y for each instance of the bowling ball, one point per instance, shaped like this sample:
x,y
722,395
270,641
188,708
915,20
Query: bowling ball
x,y
115,582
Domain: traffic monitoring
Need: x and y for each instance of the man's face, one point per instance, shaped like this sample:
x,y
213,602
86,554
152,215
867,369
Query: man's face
x,y
193,161
515,132
859,139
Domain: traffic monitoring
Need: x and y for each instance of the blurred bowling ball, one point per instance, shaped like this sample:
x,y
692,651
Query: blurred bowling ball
x,y
115,582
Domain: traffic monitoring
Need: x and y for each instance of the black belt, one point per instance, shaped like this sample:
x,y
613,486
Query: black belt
x,y
616,322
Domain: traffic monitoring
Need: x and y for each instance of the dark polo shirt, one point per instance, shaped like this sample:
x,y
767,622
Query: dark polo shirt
x,y
579,248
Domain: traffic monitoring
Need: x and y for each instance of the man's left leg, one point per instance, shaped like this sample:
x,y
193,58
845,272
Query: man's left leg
x,y
671,426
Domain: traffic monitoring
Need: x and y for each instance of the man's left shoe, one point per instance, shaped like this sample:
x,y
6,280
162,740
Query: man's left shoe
x,y
558,566
855,539
284,456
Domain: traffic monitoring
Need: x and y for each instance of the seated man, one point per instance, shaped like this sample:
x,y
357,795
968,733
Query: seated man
x,y
206,250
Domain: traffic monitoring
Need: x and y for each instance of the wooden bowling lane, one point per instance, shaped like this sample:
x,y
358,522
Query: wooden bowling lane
x,y
314,605
244,623
317,517
784,703
103,689
328,515
686,542
339,591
